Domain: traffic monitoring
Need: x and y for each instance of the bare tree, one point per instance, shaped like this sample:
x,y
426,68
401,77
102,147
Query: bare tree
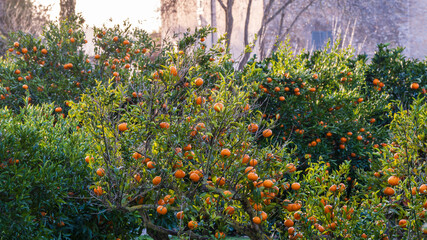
x,y
229,20
68,9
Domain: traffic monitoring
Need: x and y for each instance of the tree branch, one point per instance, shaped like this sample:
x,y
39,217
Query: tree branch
x,y
222,5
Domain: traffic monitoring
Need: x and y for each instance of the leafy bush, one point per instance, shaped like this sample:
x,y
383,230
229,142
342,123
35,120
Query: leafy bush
x,y
319,104
44,180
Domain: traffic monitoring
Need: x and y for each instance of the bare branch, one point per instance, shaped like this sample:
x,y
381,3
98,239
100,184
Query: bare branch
x,y
222,5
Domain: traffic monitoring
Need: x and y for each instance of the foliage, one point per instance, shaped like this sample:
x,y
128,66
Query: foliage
x,y
44,180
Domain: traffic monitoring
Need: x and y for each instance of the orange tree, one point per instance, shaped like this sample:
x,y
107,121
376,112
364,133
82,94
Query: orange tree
x,y
391,73
56,68
320,103
180,151
44,181
398,174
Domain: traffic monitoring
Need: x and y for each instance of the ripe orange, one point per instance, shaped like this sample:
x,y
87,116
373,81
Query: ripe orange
x,y
333,188
180,215
162,210
230,210
219,235
389,191
126,42
164,125
157,180
295,186
289,223
393,180
245,158
123,127
173,71
98,191
199,82
16,44
291,167
44,51
218,107
256,220
414,86
225,152
180,173
220,181
267,133
192,225
282,98
194,177
253,176
25,86
268,183
253,127
402,223
328,209
253,162
58,109
100,172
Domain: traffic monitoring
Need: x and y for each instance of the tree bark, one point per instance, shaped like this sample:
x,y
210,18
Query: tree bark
x,y
213,20
246,36
68,9
229,20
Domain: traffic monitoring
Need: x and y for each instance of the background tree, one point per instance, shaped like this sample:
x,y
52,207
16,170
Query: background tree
x,y
21,15
68,8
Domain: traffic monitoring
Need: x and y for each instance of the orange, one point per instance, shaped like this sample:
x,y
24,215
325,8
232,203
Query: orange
x,y
389,191
180,215
44,51
291,167
245,158
267,133
192,225
194,177
25,86
230,210
157,180
333,188
253,127
282,98
256,220
253,162
16,44
414,86
393,180
289,223
123,127
173,71
225,152
252,176
98,191
179,174
164,125
58,109
328,209
402,223
295,186
199,82
218,107
220,181
268,183
162,210
219,235
100,172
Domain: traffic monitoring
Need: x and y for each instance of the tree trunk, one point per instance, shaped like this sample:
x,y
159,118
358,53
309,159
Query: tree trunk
x,y
229,21
246,36
213,20
68,9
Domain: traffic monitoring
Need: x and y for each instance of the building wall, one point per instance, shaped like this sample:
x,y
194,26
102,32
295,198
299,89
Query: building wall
x,y
361,23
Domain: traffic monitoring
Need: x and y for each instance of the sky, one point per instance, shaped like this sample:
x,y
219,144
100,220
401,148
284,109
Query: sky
x,y
141,13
